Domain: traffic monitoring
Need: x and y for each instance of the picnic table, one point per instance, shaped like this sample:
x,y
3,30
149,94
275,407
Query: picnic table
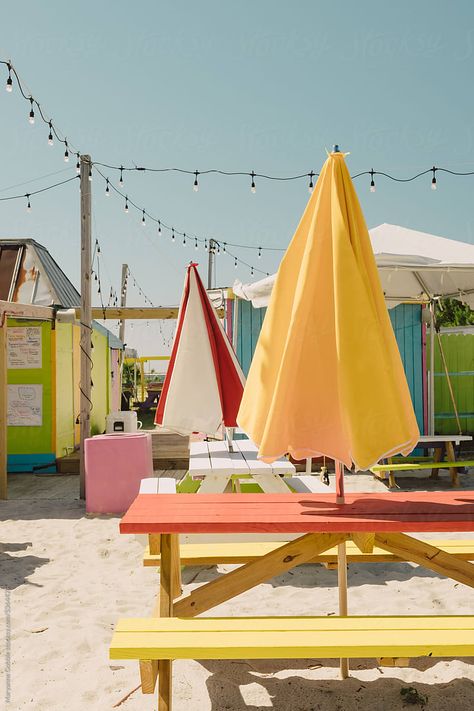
x,y
217,464
441,444
367,520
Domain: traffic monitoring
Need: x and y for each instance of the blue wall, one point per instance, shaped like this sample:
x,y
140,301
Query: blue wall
x,y
406,322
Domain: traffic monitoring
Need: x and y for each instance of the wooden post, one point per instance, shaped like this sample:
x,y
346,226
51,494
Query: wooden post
x,y
3,409
123,299
86,314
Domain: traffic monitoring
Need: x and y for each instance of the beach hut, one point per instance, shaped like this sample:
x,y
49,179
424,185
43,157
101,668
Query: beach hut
x,y
42,359
415,269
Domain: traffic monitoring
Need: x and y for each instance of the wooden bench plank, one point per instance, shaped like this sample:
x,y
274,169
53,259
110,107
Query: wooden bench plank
x,y
421,465
282,638
244,552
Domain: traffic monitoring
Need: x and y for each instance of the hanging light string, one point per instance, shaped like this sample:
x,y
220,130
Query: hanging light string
x,y
54,132
27,196
59,136
188,240
166,339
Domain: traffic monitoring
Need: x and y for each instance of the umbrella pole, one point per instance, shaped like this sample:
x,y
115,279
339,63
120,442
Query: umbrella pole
x,y
341,564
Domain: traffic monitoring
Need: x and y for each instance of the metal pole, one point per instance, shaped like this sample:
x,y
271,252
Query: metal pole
x,y
210,263
86,314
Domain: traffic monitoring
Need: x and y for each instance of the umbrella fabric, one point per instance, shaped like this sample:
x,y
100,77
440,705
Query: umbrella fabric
x,y
326,377
204,383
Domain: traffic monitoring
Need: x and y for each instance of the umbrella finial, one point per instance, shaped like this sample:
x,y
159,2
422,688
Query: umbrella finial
x,y
335,148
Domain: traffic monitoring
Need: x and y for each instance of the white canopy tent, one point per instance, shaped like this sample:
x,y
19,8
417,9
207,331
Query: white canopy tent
x,y
414,267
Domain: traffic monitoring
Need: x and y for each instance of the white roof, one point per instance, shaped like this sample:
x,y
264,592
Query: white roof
x,y
413,266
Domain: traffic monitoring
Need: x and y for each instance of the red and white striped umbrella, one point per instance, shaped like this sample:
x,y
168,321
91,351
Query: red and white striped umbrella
x,y
204,382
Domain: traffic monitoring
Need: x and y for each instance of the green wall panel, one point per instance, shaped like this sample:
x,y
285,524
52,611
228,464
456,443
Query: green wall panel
x,y
65,415
26,440
100,378
459,352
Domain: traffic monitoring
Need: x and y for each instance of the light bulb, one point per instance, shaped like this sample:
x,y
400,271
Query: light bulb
x,y
9,86
195,243
121,176
28,207
372,186
310,186
159,228
107,191
433,184
172,234
196,184
143,219
126,205
235,262
90,174
259,252
31,117
184,239
50,136
66,154
253,187
78,164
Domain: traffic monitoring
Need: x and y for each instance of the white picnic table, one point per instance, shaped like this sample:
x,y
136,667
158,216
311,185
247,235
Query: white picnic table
x,y
216,465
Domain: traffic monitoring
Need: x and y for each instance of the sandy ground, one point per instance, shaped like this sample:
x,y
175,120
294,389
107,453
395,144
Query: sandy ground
x,y
66,579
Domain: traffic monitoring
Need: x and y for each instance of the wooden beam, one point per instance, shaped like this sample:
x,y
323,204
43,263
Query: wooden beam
x,y
119,313
3,410
424,554
294,553
30,311
85,315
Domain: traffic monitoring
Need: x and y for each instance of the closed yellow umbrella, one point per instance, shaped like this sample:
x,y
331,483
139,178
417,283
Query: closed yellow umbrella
x,y
326,377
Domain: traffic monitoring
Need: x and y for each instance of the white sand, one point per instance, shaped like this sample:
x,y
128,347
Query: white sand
x,y
68,578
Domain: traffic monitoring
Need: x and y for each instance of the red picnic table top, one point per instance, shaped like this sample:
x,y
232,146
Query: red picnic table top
x,y
300,513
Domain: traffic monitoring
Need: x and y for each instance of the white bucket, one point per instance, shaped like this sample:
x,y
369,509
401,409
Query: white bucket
x,y
122,421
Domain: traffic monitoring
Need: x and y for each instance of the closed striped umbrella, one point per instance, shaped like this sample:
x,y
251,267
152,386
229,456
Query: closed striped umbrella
x,y
204,382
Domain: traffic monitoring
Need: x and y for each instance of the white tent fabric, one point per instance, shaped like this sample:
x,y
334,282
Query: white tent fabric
x,y
413,266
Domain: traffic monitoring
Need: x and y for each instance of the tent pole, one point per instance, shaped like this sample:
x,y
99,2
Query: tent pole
x,y
448,380
341,563
432,365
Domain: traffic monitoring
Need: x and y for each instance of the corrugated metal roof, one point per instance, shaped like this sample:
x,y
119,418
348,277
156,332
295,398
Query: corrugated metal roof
x,y
64,293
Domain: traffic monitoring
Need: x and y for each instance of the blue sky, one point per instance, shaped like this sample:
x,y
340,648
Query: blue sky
x,y
264,86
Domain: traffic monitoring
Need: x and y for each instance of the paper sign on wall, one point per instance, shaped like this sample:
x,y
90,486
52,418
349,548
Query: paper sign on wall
x,y
24,347
25,405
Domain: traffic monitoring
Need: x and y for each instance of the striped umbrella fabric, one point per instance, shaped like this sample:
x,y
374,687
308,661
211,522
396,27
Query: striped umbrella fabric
x,y
204,382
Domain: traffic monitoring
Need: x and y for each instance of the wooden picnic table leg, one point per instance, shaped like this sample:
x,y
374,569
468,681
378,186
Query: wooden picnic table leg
x,y
452,458
342,584
167,580
438,455
214,484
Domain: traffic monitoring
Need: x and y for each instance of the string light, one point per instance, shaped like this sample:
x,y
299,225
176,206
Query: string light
x,y
121,176
9,86
196,184
311,186
107,191
195,244
66,153
143,218
50,136
205,244
31,117
159,228
235,262
184,239
251,271
372,182
259,252
253,188
224,246
78,163
433,179
28,207
172,234
126,204
90,173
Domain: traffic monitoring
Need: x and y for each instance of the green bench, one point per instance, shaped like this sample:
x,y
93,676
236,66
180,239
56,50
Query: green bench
x,y
391,469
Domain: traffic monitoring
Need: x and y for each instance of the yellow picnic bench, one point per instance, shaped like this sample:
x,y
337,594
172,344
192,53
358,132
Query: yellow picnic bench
x,y
393,467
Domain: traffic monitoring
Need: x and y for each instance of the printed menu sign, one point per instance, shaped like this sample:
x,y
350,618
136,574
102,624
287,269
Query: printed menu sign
x,y
24,347
25,405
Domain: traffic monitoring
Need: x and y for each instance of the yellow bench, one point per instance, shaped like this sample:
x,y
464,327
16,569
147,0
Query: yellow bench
x,y
245,552
154,640
414,466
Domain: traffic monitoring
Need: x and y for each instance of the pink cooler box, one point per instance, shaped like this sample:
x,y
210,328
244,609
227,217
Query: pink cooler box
x,y
115,464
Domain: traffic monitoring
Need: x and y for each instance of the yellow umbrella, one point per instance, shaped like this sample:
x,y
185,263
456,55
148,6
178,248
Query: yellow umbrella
x,y
326,377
